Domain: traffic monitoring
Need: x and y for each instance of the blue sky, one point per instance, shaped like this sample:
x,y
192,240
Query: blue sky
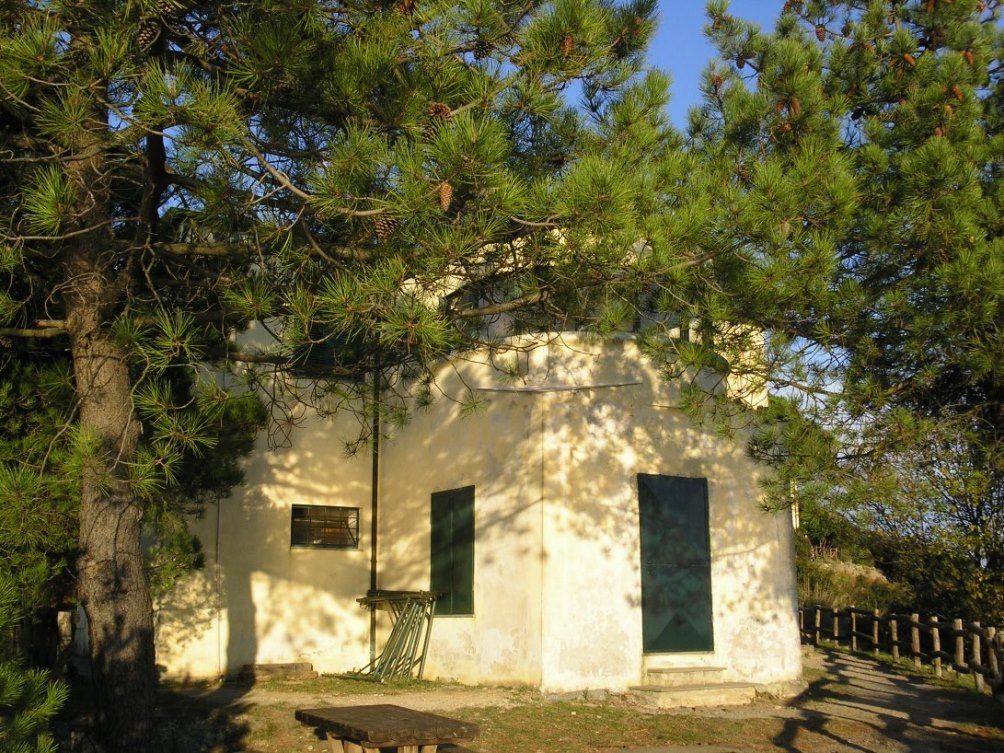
x,y
681,49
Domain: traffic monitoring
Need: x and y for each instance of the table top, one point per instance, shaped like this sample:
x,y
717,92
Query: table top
x,y
388,725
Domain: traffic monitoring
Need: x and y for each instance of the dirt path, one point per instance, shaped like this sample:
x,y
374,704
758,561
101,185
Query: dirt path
x,y
855,705
444,698
860,705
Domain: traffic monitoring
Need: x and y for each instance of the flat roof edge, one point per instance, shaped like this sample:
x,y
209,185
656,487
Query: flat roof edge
x,y
558,387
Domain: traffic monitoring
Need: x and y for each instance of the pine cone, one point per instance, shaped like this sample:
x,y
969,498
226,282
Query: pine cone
x,y
968,56
166,7
385,226
567,46
957,91
910,59
407,7
439,111
445,195
795,106
820,32
482,49
149,30
740,62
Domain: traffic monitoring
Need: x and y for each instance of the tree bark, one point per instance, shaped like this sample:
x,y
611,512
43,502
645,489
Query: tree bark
x,y
112,584
111,577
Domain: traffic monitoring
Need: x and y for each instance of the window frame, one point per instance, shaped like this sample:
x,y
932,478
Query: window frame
x,y
349,521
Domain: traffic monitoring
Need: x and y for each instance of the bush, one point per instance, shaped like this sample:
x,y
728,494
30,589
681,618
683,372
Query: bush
x,y
837,584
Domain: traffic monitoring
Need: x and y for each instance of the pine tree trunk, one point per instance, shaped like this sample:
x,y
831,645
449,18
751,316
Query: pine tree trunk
x,y
112,583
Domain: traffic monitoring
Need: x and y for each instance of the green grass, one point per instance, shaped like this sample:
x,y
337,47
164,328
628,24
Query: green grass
x,y
587,727
345,685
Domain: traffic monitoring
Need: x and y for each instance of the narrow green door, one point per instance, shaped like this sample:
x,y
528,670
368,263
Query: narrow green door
x,y
452,547
675,564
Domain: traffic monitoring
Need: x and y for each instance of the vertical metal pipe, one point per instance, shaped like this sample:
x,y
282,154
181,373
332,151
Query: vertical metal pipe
x,y
374,505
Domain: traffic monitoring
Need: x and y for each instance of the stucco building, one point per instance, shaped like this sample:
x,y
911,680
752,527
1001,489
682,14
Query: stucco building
x,y
587,532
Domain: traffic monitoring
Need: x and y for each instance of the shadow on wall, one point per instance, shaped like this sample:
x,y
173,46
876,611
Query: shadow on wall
x,y
554,458
260,600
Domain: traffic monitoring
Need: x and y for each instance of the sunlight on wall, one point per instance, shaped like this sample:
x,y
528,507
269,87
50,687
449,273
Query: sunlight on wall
x,y
554,452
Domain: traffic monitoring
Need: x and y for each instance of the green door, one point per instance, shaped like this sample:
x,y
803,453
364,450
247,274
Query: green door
x,y
675,564
452,546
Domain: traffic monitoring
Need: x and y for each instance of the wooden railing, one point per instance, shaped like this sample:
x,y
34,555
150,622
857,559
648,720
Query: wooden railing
x,y
963,647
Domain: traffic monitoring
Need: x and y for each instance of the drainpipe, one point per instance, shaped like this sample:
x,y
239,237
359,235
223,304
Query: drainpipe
x,y
374,504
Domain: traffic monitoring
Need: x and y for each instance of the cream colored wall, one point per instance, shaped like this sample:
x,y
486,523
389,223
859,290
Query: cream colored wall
x,y
597,441
496,451
258,600
554,455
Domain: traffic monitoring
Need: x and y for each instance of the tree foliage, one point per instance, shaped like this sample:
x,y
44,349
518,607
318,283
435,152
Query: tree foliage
x,y
886,334
28,699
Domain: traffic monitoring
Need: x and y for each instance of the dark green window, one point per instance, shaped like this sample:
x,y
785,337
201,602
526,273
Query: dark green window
x,y
675,564
453,550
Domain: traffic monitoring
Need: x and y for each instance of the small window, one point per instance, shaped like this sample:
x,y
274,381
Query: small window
x,y
325,527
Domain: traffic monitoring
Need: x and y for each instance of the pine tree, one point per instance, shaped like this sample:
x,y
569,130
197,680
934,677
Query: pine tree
x,y
367,183
889,327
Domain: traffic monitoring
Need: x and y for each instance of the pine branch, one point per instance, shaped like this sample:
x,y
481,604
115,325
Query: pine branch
x,y
501,308
200,249
44,328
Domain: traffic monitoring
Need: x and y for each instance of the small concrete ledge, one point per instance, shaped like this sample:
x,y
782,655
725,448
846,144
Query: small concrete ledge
x,y
677,676
694,696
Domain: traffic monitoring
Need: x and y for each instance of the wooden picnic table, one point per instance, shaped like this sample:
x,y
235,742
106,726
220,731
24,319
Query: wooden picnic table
x,y
385,727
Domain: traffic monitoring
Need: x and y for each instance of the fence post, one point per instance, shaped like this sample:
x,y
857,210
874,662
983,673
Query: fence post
x,y
936,646
854,630
875,632
992,662
817,618
915,640
976,663
960,645
836,626
894,637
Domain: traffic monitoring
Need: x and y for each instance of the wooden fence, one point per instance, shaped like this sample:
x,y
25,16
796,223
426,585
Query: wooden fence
x,y
963,647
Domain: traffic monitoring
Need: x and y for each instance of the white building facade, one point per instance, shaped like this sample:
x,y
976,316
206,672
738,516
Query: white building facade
x,y
586,529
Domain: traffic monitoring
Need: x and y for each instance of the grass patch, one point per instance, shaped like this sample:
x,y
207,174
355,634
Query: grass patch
x,y
345,685
588,727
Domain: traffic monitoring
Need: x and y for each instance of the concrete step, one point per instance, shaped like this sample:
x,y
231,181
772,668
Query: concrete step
x,y
675,676
692,696
287,671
